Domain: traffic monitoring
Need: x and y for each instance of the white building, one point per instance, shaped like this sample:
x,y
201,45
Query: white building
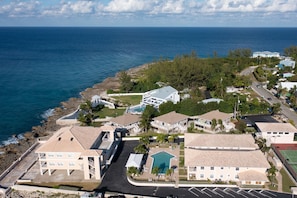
x,y
287,62
274,132
204,121
158,96
288,85
170,123
266,54
76,148
225,157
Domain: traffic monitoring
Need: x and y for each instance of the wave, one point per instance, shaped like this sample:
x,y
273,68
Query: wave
x,y
12,140
47,113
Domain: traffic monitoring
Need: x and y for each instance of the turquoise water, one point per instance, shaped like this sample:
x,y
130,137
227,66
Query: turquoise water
x,y
162,160
137,109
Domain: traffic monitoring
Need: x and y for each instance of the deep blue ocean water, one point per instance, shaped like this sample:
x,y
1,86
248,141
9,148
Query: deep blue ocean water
x,y
41,67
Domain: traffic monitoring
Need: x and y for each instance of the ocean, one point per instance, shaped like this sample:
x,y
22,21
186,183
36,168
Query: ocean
x,y
43,66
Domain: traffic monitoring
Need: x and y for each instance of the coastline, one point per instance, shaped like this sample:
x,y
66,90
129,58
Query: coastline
x,y
12,152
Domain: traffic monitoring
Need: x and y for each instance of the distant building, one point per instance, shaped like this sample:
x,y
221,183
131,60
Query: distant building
x,y
288,75
76,148
217,100
204,121
225,157
266,54
279,133
130,122
170,123
158,96
288,85
287,62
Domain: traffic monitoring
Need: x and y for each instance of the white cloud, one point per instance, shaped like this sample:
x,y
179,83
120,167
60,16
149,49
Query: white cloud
x,y
16,8
128,5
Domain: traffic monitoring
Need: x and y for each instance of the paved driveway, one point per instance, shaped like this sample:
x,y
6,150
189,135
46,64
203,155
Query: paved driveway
x,y
115,179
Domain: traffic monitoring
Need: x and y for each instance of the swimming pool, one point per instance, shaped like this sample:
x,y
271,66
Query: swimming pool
x,y
162,160
137,109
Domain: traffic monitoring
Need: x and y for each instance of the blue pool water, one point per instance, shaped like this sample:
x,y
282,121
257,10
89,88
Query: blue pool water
x,y
162,160
138,109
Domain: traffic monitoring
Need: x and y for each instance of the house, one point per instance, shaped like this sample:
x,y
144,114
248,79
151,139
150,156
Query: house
x,y
225,157
170,123
158,96
275,132
266,54
287,62
288,75
126,121
204,121
75,148
288,85
217,100
97,100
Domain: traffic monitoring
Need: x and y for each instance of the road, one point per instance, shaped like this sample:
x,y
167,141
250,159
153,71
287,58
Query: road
x,y
269,97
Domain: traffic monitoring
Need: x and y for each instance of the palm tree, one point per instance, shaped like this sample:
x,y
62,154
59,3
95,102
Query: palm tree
x,y
161,138
141,149
132,171
156,171
213,124
169,172
145,140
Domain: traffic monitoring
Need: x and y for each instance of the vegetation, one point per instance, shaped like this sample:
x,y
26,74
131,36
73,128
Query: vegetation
x,y
129,100
287,181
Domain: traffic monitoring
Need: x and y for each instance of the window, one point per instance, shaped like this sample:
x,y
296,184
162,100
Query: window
x,y
60,164
222,168
71,155
211,176
202,168
280,133
258,182
50,155
212,168
237,169
221,176
59,155
71,163
274,132
247,182
236,177
51,164
201,175
268,132
286,133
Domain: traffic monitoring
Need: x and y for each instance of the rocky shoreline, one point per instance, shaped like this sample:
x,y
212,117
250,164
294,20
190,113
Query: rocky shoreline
x,y
12,152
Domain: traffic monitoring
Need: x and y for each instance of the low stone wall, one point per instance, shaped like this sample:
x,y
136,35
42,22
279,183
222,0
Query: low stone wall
x,y
125,94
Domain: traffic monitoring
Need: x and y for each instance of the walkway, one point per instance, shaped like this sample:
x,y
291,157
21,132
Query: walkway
x,y
20,167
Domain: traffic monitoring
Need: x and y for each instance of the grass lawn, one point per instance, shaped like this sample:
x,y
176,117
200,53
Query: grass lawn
x,y
129,100
106,112
287,182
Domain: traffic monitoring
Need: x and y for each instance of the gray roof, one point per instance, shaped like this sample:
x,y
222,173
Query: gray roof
x,y
163,92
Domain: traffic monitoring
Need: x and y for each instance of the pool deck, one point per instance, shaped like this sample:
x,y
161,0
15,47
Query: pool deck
x,y
148,176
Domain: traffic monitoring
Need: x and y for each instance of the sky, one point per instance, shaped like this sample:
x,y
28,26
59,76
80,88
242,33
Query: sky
x,y
149,13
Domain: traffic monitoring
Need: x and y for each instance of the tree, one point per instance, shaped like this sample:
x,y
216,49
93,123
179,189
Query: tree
x,y
166,107
161,138
146,117
220,122
213,124
271,172
140,149
85,119
169,172
145,140
276,108
125,80
155,170
240,126
132,171
87,106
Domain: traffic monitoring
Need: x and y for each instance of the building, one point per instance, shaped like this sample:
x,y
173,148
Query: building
x,y
275,132
158,96
266,54
76,148
287,62
134,160
126,121
204,121
170,123
225,157
288,75
217,100
288,85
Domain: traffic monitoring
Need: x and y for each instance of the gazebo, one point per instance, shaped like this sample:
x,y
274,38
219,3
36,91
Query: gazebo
x,y
135,160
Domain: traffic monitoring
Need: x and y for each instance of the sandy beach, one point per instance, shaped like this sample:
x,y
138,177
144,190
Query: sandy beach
x,y
12,152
